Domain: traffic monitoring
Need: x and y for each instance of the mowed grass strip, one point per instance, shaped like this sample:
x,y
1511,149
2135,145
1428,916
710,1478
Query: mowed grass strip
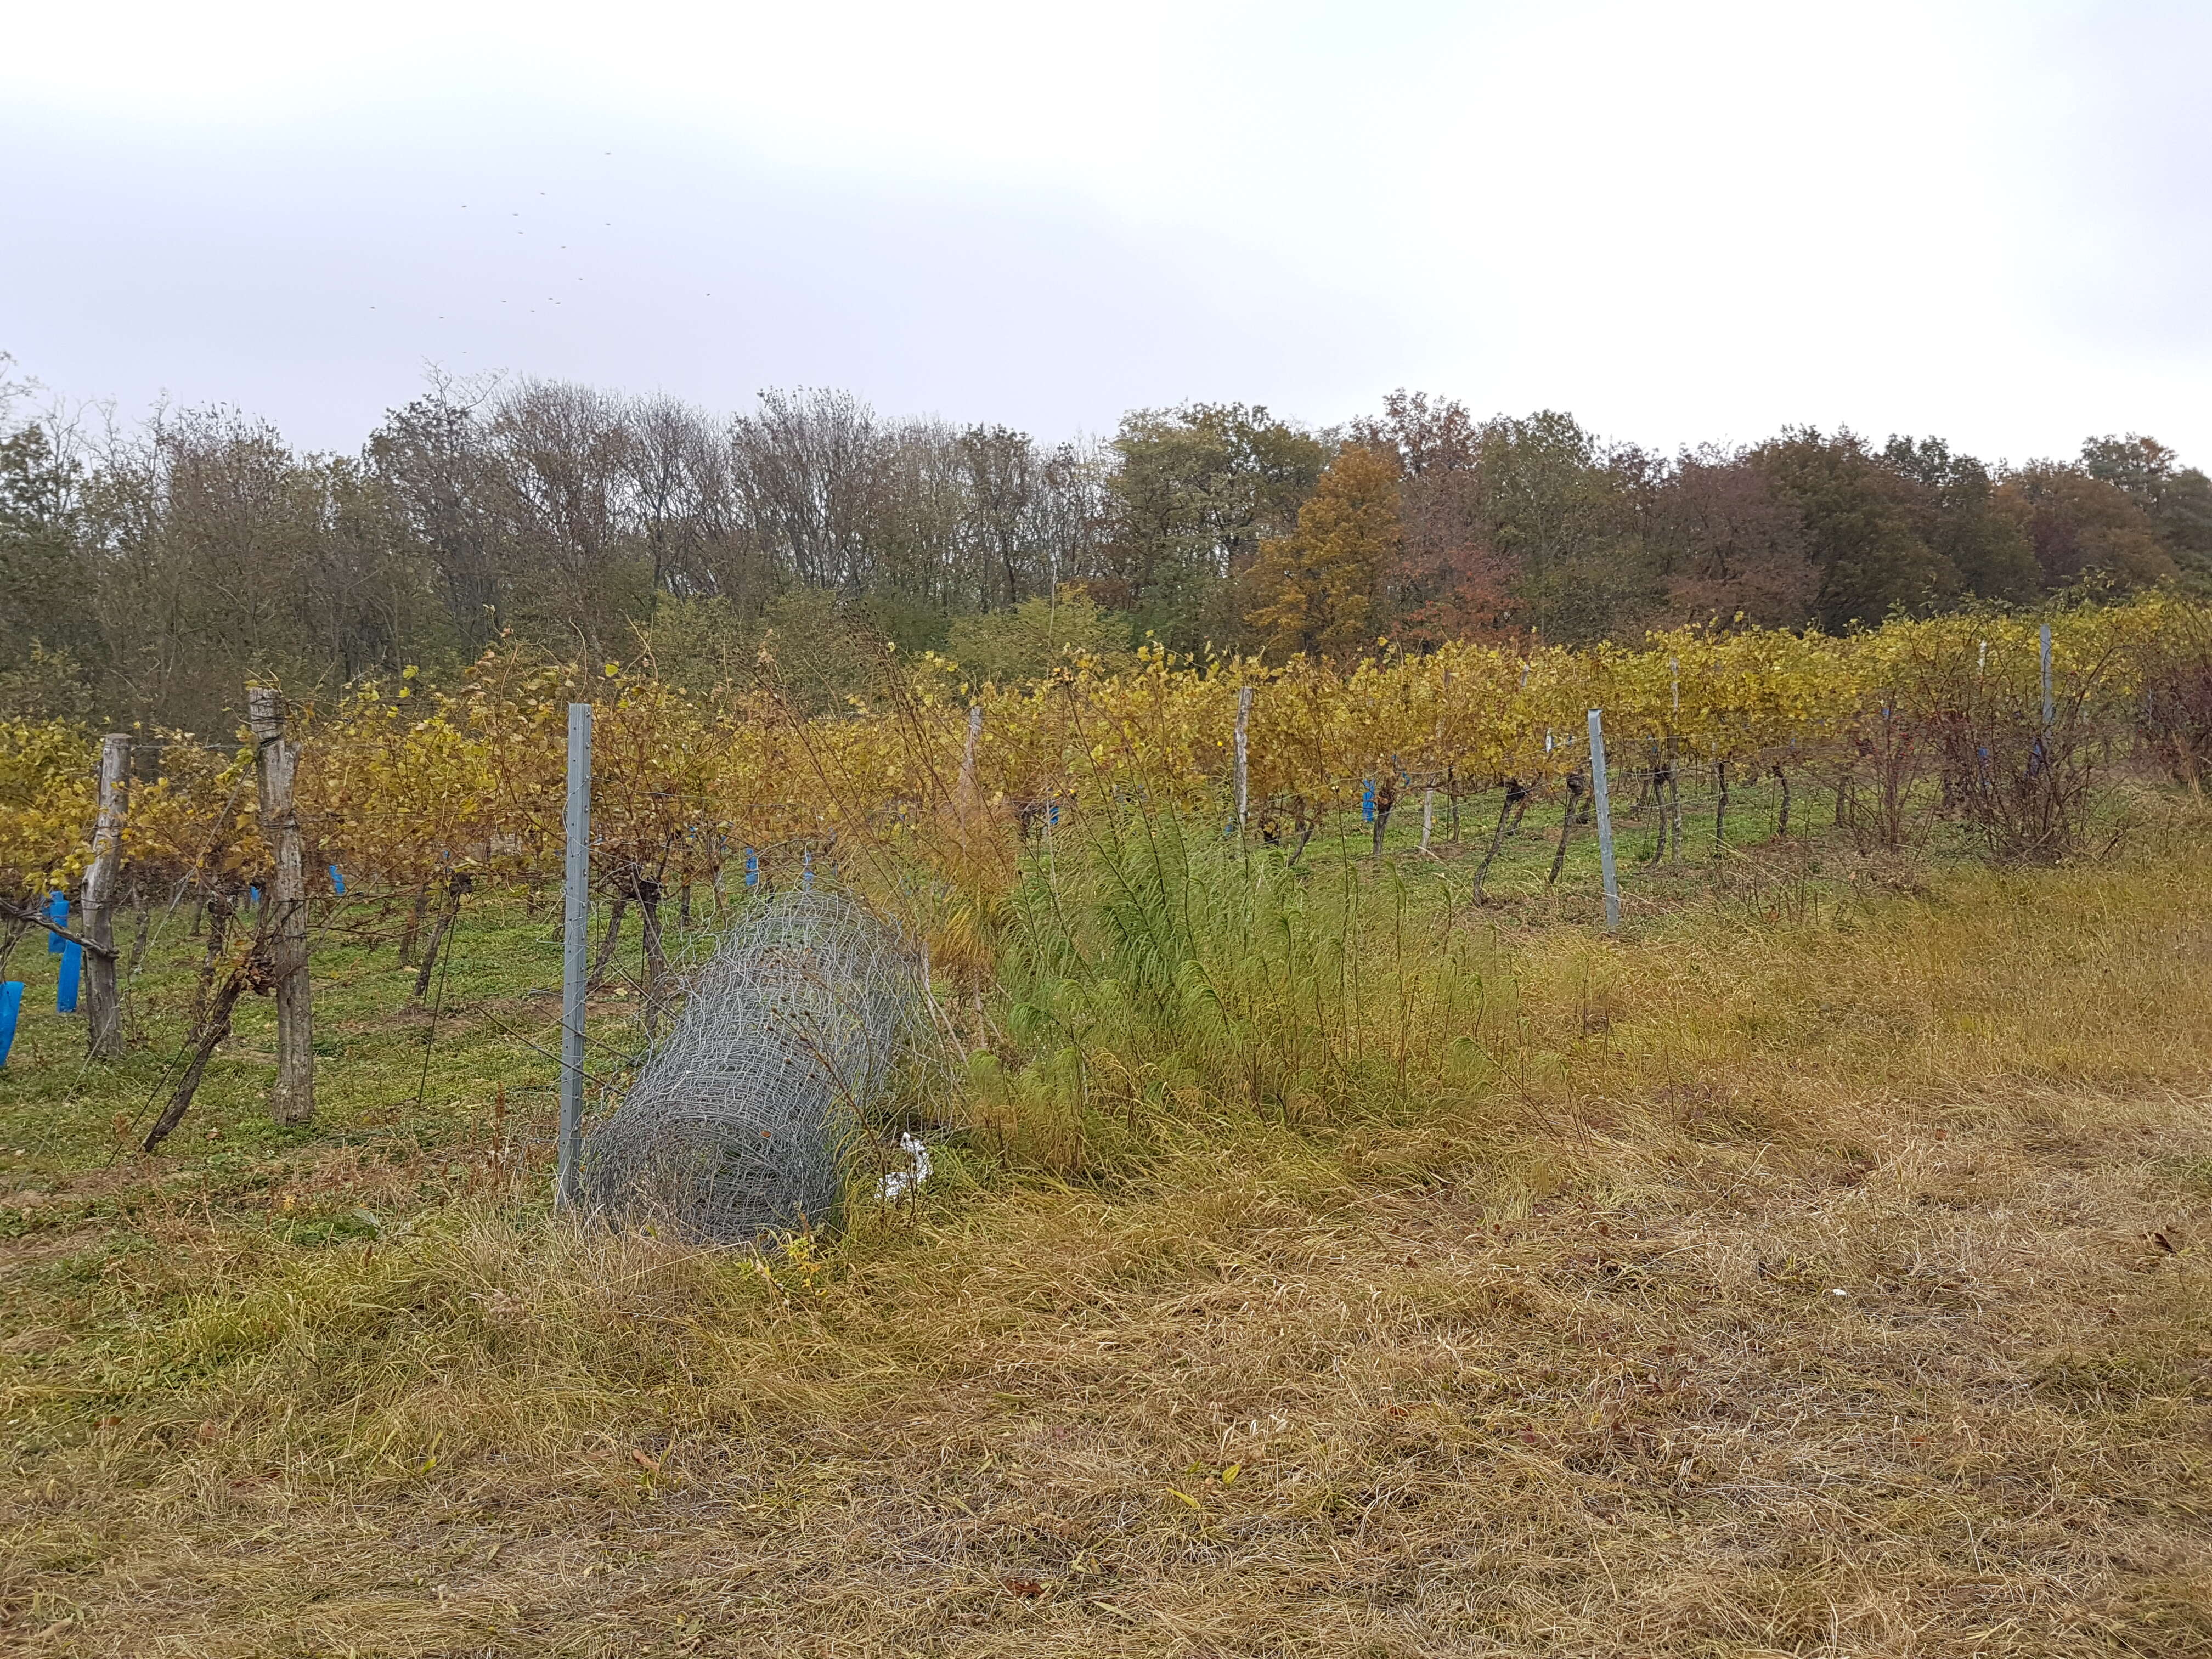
x,y
1808,1277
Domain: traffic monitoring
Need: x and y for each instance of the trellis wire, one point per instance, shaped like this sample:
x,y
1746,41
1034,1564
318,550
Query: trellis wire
x,y
742,1119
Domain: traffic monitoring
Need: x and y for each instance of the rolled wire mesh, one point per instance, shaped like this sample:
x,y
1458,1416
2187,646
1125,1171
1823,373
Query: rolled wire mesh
x,y
742,1119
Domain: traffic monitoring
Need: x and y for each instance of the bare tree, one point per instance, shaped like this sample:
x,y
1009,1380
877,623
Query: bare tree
x,y
1005,479
563,482
434,457
805,469
678,473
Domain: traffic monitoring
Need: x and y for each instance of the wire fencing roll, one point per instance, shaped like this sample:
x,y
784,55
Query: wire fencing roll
x,y
788,1042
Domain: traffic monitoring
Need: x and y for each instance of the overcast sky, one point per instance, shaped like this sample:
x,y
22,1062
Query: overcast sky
x,y
1681,221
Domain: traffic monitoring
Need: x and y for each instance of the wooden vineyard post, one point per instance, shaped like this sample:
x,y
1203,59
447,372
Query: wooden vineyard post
x,y
1600,799
103,988
967,785
1243,757
291,1097
576,897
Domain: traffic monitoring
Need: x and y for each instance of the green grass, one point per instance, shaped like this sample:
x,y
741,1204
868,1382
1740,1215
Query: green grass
x,y
391,1070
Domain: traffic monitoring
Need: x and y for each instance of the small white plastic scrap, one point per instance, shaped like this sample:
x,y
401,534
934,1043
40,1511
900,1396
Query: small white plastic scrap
x,y
899,1183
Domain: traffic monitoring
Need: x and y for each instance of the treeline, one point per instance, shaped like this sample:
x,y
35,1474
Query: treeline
x,y
144,576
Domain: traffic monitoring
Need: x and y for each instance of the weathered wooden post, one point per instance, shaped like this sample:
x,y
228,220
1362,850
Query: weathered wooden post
x,y
967,790
291,1097
104,997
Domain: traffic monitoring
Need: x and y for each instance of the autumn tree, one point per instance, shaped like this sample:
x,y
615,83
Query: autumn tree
x,y
432,457
1512,524
2084,528
45,636
1319,590
1193,493
1858,525
1953,508
1728,545
2176,499
215,550
1448,583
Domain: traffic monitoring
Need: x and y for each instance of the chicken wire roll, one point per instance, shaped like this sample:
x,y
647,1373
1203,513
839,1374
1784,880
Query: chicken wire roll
x,y
742,1117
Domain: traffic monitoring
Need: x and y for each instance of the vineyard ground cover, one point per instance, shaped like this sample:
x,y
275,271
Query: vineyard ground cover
x,y
488,1024
1819,1269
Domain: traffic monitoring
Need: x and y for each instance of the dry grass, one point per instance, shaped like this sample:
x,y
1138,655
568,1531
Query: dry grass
x,y
1833,1283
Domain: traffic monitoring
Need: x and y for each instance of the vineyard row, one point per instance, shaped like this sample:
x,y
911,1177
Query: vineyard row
x,y
408,789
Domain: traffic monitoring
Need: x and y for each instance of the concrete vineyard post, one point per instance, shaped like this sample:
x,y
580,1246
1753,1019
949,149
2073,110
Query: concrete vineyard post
x,y
291,1097
103,994
576,894
1429,794
1601,801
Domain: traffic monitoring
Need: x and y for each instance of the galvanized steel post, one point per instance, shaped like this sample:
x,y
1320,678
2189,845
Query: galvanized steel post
x,y
1243,755
576,894
2049,711
1599,799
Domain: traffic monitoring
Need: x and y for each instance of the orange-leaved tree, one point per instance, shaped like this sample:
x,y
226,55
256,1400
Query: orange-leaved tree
x,y
1319,590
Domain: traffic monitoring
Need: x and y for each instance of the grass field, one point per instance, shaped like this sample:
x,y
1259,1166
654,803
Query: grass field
x,y
1820,1267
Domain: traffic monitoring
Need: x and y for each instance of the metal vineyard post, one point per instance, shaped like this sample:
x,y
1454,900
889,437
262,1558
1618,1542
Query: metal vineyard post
x,y
576,892
1601,801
